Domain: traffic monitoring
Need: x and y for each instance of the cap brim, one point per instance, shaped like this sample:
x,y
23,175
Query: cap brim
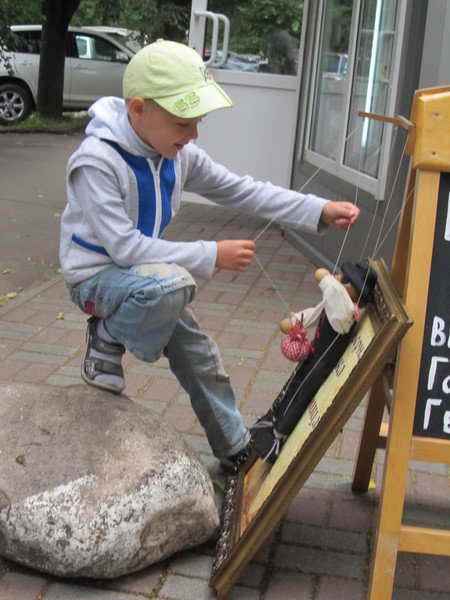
x,y
206,99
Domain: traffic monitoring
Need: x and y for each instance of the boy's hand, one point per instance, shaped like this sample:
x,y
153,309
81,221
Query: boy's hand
x,y
340,214
234,255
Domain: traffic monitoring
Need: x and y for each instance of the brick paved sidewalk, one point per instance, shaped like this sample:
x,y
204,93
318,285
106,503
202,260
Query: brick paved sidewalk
x,y
322,546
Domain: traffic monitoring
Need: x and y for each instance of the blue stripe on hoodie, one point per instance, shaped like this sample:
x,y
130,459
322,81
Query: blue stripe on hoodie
x,y
147,194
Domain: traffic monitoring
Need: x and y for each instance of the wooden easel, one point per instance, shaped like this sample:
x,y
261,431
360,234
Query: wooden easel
x,y
428,144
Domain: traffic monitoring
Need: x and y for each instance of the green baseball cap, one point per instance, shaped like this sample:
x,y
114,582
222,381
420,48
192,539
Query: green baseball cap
x,y
175,77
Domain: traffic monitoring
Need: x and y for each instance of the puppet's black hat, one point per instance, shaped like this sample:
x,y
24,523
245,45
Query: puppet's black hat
x,y
360,275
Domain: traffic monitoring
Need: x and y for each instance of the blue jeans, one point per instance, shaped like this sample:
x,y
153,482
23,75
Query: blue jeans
x,y
146,309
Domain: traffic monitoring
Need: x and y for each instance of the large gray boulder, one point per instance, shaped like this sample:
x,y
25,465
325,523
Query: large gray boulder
x,y
95,485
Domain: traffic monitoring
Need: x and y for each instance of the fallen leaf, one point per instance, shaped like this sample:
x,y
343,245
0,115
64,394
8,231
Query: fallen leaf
x,y
8,271
60,316
57,215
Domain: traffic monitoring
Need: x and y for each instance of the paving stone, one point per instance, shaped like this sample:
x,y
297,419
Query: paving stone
x,y
181,417
190,563
406,568
269,381
433,490
336,588
20,586
311,560
144,582
7,347
336,467
177,587
431,468
38,357
350,512
408,594
49,348
323,538
17,331
65,591
309,507
434,572
162,389
36,373
63,380
8,368
21,314
241,593
289,586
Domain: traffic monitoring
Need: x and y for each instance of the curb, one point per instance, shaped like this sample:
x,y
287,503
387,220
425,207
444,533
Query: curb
x,y
26,296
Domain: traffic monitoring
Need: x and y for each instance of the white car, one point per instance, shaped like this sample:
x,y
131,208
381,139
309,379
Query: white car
x,y
96,58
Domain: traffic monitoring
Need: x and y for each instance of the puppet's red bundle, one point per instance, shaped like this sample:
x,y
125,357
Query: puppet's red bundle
x,y
296,347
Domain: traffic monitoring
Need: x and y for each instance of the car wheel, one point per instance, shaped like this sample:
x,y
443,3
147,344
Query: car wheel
x,y
15,104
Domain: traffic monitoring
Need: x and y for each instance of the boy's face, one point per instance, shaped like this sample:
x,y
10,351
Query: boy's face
x,y
155,126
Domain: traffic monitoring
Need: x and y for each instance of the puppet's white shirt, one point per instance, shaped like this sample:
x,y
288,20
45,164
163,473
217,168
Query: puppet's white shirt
x,y
337,304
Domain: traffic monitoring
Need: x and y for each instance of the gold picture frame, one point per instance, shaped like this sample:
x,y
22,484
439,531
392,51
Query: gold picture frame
x,y
256,497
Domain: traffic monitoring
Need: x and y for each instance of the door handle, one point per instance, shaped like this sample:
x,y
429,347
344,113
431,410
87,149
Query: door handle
x,y
215,18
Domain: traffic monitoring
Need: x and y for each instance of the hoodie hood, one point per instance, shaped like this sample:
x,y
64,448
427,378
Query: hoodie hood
x,y
109,121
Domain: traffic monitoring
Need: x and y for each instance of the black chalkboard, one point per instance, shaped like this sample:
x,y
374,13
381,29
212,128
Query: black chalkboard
x,y
432,415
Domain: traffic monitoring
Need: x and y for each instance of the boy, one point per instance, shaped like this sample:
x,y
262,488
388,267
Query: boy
x,y
124,184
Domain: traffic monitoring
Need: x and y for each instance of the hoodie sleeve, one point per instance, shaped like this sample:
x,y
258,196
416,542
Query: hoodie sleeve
x,y
108,225
215,182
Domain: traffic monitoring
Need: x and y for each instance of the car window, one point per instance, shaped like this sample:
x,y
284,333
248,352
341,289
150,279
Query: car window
x,y
95,48
28,42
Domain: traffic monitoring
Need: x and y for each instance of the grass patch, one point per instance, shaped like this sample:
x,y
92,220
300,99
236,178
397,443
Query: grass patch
x,y
68,123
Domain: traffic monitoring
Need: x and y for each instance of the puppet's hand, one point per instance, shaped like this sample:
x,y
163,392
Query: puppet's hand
x,y
234,255
340,214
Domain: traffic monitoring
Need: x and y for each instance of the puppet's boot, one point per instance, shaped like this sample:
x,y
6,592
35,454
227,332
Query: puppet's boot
x,y
265,442
102,365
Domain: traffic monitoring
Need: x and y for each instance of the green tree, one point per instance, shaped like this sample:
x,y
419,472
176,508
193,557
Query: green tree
x,y
153,19
255,20
12,12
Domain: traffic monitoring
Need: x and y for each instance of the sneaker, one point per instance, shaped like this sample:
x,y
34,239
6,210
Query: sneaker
x,y
102,366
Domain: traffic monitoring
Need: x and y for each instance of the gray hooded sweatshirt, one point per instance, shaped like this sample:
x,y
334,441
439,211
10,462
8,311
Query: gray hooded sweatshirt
x,y
121,194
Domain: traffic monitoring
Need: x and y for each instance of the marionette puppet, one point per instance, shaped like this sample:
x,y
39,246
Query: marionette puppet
x,y
337,315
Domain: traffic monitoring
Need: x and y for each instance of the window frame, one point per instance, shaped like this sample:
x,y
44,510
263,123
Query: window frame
x,y
336,167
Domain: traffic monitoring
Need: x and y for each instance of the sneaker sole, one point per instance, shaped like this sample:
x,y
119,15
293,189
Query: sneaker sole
x,y
100,385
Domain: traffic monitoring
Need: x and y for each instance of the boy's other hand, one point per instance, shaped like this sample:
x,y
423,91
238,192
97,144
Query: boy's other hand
x,y
234,255
340,214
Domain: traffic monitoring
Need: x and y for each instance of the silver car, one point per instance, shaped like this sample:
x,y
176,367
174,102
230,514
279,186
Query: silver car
x,y
96,58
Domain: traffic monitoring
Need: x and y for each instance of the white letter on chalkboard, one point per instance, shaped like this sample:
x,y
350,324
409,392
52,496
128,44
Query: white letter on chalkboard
x,y
432,371
447,223
446,385
426,417
437,332
447,421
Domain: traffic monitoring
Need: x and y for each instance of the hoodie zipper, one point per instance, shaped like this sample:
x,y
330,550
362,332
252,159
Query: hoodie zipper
x,y
158,196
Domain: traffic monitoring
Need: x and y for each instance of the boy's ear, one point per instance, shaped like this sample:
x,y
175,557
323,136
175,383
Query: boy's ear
x,y
136,106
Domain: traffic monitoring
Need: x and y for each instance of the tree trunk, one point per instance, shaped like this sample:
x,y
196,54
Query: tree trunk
x,y
57,16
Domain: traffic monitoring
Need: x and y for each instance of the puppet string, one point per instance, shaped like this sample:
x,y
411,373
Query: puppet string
x,y
378,201
272,284
378,244
327,159
297,391
316,172
376,249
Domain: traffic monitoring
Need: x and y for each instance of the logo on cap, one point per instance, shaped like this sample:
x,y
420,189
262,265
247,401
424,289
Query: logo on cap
x,y
188,101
